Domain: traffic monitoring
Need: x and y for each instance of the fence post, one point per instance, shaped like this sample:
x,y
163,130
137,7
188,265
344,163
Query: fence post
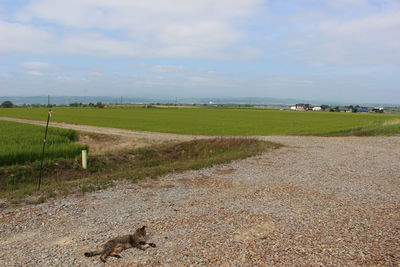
x,y
44,143
84,159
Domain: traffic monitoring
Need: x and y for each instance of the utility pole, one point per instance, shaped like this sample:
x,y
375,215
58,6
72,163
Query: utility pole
x,y
48,100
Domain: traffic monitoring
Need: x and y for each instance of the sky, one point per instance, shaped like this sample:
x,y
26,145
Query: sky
x,y
341,50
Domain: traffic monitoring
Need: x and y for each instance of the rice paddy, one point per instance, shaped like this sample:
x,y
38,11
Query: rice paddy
x,y
210,121
21,143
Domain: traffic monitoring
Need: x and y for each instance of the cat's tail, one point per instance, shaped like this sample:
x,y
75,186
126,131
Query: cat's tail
x,y
93,253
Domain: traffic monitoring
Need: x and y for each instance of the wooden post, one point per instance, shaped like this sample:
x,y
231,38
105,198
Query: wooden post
x,y
44,144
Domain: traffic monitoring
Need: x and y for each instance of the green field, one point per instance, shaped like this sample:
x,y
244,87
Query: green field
x,y
20,143
211,121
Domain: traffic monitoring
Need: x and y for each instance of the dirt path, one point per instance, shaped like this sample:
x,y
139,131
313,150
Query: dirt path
x,y
107,130
105,139
315,202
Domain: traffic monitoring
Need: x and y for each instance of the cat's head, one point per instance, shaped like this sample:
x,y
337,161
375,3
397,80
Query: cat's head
x,y
141,230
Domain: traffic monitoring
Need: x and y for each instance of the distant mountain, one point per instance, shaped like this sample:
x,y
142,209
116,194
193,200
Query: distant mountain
x,y
245,100
66,100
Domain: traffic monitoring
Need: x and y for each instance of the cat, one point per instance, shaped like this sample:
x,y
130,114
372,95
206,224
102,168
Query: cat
x,y
120,243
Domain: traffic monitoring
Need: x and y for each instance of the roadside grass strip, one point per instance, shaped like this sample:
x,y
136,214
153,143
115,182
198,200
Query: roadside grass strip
x,y
66,176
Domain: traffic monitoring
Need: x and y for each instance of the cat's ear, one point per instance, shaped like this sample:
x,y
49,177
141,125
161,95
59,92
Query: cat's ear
x,y
143,228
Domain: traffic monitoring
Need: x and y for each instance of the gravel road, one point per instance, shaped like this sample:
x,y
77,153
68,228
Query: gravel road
x,y
107,130
317,201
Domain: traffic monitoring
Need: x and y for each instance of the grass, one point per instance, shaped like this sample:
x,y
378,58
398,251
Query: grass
x,y
209,121
21,143
65,176
378,129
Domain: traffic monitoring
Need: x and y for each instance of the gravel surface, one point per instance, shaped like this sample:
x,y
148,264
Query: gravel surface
x,y
317,201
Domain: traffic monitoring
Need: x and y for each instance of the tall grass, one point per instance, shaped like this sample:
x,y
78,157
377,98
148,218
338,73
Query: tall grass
x,y
21,143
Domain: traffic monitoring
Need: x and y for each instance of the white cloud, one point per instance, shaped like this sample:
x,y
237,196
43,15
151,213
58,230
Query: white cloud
x,y
35,73
196,28
367,40
166,69
198,79
366,34
365,28
199,34
16,37
19,38
123,14
97,45
348,3
35,65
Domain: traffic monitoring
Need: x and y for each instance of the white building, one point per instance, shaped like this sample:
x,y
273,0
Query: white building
x,y
316,108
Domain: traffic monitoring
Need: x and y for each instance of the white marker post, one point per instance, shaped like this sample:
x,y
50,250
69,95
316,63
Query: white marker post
x,y
84,159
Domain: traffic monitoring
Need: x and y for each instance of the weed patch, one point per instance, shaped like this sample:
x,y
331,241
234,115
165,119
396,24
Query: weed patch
x,y
63,176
